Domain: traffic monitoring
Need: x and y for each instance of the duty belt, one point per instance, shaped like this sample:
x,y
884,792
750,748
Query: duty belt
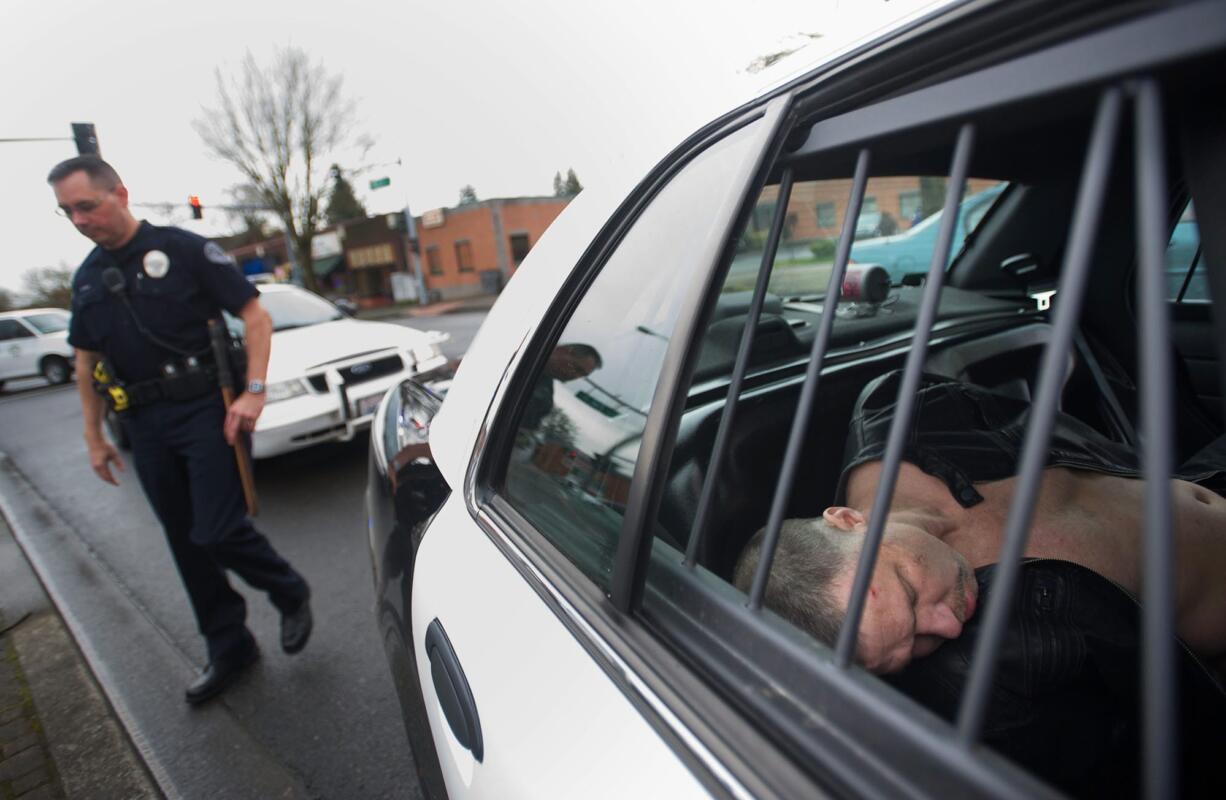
x,y
184,385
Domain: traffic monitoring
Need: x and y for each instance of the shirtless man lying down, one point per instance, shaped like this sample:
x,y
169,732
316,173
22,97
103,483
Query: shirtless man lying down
x,y
948,515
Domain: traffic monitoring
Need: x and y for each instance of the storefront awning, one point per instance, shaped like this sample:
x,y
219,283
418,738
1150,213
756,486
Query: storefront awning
x,y
323,266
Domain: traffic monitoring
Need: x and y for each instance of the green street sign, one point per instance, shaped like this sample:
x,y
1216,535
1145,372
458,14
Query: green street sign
x,y
379,183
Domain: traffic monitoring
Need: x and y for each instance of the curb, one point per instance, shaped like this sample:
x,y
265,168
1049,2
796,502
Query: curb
x,y
133,674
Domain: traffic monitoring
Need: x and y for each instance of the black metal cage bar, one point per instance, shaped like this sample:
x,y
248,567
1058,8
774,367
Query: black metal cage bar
x,y
808,392
706,499
1073,279
845,649
1156,414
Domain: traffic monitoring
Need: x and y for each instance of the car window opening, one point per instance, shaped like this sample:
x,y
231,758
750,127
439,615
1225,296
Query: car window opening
x,y
1047,379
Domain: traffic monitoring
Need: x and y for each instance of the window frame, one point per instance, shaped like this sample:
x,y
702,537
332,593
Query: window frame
x,y
526,239
434,265
464,247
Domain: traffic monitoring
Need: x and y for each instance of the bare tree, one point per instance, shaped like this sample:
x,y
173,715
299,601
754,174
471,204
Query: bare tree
x,y
246,214
48,286
281,125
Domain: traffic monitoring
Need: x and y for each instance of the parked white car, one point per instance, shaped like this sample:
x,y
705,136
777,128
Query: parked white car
x,y
327,371
34,342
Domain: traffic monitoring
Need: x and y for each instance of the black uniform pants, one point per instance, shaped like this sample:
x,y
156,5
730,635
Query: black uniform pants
x,y
191,479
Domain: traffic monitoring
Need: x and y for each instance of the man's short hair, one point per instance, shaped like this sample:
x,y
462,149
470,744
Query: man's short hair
x,y
101,174
809,557
580,350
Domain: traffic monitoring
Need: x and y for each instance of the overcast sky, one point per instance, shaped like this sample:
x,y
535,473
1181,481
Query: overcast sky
x,y
494,94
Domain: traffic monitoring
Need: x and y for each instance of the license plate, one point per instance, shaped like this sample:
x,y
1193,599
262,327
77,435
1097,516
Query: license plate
x,y
367,405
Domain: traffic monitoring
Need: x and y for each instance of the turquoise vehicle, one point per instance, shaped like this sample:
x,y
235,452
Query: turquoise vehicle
x,y
911,250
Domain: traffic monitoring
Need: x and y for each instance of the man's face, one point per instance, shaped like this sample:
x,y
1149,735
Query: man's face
x,y
100,214
922,593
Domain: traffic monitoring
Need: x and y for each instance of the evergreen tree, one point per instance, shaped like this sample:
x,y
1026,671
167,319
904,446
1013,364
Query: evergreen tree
x,y
343,204
572,186
468,195
559,188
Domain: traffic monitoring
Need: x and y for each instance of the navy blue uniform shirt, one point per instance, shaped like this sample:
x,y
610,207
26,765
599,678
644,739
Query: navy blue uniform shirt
x,y
175,281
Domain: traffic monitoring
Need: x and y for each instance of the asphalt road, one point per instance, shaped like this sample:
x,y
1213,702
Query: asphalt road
x,y
330,714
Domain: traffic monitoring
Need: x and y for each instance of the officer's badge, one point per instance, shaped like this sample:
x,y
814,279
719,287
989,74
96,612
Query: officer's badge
x,y
157,264
214,253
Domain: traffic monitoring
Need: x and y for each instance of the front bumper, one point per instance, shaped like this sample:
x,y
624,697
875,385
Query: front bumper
x,y
336,415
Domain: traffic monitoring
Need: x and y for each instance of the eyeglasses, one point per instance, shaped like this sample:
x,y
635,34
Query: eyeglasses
x,y
84,207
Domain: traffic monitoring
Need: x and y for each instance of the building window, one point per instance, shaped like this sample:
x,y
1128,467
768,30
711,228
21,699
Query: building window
x,y
519,247
825,215
464,255
909,205
375,255
433,262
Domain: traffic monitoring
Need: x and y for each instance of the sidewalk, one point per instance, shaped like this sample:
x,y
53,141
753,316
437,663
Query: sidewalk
x,y
58,736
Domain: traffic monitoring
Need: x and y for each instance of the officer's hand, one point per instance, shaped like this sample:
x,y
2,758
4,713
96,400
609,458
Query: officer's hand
x,y
243,413
101,453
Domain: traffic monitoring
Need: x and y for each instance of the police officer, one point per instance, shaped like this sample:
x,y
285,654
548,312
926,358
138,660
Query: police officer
x,y
141,302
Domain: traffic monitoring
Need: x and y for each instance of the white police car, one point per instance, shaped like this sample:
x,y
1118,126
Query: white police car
x,y
327,371
34,342
554,530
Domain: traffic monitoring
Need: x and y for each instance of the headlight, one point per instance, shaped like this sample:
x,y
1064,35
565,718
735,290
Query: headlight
x,y
284,390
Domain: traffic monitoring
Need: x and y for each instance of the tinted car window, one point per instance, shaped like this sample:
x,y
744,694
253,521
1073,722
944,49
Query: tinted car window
x,y
578,436
48,322
896,230
12,329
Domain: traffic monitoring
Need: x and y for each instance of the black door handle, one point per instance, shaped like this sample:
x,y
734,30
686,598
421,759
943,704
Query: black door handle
x,y
453,691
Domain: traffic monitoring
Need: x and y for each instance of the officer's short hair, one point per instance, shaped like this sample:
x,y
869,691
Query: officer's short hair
x,y
580,350
101,174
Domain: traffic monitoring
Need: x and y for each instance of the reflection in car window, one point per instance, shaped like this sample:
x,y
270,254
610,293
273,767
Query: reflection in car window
x,y
896,230
49,322
1182,257
578,439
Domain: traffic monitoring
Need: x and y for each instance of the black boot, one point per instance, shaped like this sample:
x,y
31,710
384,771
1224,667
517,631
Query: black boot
x,y
296,627
221,672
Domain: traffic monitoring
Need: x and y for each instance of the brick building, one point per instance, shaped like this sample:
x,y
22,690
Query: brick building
x,y
468,250
891,204
475,248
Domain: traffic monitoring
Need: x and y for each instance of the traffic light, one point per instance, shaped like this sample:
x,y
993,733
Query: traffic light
x,y
86,137
197,209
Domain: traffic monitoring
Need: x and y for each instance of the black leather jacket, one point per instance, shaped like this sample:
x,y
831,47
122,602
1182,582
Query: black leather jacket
x,y
1065,701
965,435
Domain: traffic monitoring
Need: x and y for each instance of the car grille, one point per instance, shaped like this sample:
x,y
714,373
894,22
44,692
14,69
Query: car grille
x,y
361,372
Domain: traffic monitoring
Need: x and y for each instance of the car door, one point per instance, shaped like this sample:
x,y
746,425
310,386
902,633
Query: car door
x,y
18,349
524,698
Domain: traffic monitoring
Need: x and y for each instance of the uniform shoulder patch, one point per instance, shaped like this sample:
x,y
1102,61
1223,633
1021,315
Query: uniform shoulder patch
x,y
214,253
